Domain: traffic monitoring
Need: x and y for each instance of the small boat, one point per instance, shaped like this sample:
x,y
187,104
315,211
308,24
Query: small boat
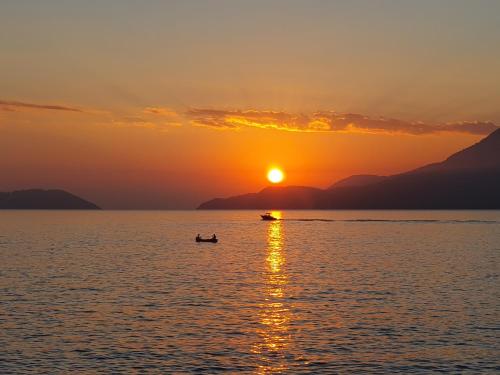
x,y
268,216
212,240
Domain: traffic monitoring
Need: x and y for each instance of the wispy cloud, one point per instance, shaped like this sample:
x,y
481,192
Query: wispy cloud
x,y
162,117
151,117
9,105
326,121
475,127
160,111
129,122
159,118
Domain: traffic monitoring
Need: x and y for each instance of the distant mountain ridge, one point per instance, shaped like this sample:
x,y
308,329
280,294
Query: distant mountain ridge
x,y
38,199
468,179
358,180
482,155
300,197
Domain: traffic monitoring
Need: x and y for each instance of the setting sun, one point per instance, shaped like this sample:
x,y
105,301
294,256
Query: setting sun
x,y
275,175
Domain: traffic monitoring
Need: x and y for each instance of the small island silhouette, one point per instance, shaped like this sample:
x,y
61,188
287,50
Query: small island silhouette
x,y
468,179
39,199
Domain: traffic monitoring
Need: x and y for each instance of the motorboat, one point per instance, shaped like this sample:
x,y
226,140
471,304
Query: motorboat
x,y
267,216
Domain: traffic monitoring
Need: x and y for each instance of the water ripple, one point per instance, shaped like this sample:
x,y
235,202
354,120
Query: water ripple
x,y
329,292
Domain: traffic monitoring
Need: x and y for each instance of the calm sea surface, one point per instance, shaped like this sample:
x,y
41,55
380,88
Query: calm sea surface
x,y
318,291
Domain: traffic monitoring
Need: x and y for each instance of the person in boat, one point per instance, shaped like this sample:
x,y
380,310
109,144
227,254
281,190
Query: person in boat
x,y
198,236
214,237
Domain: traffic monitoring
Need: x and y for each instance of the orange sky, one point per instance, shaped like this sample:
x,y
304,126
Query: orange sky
x,y
180,166
168,104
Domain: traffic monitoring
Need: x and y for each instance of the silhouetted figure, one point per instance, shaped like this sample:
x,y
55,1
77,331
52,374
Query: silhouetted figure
x,y
198,236
214,237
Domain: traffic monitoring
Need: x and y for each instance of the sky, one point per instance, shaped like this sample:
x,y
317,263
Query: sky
x,y
166,104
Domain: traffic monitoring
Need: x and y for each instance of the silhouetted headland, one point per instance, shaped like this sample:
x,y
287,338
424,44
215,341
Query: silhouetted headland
x,y
468,179
38,199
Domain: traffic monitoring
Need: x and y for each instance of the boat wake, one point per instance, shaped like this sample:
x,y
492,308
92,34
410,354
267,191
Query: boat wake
x,y
399,221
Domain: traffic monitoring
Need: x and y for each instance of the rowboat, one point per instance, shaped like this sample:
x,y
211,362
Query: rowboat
x,y
212,240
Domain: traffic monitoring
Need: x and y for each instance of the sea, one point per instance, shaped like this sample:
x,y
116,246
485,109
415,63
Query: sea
x,y
131,292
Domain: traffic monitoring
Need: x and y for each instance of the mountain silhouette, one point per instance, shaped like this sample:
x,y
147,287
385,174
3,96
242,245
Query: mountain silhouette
x,y
468,179
38,199
358,180
300,197
482,155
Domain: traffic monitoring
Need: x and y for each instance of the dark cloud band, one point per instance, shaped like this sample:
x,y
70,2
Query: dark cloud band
x,y
14,104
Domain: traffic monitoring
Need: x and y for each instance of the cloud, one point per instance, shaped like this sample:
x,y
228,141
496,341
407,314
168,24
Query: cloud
x,y
159,118
137,123
8,105
327,121
475,127
162,117
159,111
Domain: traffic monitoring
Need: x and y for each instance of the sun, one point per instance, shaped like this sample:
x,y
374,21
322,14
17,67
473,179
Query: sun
x,y
275,175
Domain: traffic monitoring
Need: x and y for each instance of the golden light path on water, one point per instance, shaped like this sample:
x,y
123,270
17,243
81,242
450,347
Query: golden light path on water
x,y
275,316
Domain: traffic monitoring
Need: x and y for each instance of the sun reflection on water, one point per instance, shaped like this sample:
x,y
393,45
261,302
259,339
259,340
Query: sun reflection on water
x,y
274,313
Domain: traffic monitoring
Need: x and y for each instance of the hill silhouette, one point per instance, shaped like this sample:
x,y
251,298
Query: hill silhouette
x,y
299,197
468,179
482,155
358,180
38,199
